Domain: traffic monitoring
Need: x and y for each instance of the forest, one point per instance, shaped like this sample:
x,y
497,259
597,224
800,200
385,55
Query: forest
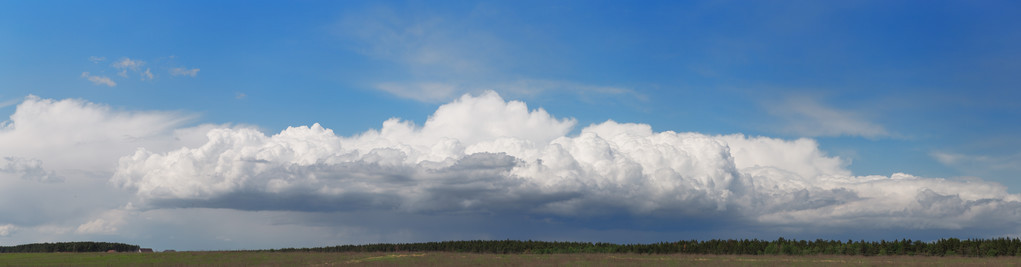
x,y
69,247
943,247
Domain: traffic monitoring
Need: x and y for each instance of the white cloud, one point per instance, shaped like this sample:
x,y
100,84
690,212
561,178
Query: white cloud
x,y
147,75
77,134
7,229
108,223
99,80
484,155
181,71
480,163
807,117
96,59
127,63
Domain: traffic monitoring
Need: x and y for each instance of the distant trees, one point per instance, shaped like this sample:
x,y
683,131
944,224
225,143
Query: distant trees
x,y
69,247
943,247
781,246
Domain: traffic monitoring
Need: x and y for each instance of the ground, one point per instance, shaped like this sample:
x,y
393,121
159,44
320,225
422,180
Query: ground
x,y
248,258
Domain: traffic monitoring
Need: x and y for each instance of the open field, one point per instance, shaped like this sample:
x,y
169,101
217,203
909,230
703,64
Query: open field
x,y
247,258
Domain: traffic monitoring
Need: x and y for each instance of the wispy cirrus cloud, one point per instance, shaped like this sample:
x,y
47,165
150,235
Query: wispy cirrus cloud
x,y
442,56
99,80
182,71
435,92
9,102
1003,166
810,117
126,67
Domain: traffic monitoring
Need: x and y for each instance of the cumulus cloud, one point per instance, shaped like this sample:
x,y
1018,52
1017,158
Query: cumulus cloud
x,y
808,117
479,167
99,80
482,154
181,71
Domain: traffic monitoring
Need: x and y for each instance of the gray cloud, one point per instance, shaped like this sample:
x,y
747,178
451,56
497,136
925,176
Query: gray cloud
x,y
30,169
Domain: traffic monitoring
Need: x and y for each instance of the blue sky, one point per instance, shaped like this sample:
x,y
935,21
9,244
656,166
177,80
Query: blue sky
x,y
922,88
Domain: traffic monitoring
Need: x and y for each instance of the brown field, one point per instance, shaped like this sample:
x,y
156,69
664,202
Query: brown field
x,y
248,258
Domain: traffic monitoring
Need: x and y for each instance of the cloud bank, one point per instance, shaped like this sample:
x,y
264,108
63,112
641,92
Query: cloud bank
x,y
484,155
478,167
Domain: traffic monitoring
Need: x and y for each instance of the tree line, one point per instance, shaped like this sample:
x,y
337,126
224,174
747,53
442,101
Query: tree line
x,y
781,246
69,247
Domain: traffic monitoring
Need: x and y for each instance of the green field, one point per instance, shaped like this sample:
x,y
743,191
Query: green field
x,y
250,258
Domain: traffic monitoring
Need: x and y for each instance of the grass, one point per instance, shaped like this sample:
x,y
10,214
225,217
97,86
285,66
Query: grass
x,y
248,258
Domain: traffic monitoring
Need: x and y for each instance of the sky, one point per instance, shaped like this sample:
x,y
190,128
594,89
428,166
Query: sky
x,y
198,125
